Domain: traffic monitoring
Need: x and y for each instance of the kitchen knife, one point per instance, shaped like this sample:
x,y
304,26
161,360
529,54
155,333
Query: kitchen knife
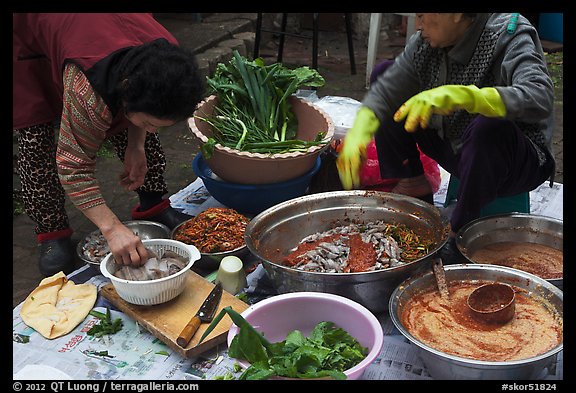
x,y
204,314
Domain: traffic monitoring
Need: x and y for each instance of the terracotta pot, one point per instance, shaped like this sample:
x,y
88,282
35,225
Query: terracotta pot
x,y
255,168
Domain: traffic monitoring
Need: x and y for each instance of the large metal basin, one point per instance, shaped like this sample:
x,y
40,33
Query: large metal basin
x,y
513,227
274,232
441,365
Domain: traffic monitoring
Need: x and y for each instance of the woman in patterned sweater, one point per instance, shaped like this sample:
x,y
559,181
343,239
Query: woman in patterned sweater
x,y
95,77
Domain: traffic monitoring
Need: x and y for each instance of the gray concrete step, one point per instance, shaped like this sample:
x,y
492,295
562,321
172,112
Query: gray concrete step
x,y
213,38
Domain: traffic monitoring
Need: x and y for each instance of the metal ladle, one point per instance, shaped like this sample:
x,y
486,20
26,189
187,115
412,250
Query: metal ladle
x,y
493,303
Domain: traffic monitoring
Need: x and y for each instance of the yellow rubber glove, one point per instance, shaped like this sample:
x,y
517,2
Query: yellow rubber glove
x,y
353,151
444,100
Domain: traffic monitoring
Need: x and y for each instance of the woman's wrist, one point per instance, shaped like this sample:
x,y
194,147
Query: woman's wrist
x,y
136,137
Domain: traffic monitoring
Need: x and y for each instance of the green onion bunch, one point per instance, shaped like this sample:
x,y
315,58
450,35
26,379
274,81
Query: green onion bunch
x,y
253,112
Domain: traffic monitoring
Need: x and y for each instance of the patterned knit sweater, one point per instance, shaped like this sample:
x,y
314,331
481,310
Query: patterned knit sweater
x,y
84,123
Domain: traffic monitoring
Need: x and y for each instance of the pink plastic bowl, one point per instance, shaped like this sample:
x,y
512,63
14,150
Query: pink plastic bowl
x,y
276,316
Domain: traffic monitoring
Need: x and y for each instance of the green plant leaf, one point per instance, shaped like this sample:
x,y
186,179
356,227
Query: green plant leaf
x,y
257,95
327,353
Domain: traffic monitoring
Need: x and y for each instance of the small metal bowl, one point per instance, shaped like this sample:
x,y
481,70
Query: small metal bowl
x,y
513,227
144,229
211,261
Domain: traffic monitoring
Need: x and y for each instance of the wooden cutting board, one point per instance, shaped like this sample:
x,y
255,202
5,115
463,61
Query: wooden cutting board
x,y
166,321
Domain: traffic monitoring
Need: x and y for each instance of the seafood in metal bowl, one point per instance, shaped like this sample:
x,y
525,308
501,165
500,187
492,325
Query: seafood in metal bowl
x,y
274,233
157,266
94,247
374,245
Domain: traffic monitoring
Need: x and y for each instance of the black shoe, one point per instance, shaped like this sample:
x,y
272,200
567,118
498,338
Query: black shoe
x,y
170,217
55,256
450,253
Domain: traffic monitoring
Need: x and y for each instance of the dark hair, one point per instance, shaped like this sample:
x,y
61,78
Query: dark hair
x,y
162,80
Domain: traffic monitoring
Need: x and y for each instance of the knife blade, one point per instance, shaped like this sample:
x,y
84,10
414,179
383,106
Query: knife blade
x,y
204,314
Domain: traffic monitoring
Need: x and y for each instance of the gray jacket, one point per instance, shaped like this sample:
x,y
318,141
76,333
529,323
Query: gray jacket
x,y
487,56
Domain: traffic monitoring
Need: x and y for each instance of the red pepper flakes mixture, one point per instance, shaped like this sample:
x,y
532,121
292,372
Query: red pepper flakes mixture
x,y
216,229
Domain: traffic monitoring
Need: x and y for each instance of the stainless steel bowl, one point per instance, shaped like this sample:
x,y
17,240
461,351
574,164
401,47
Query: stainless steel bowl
x,y
441,365
274,232
144,229
211,261
514,227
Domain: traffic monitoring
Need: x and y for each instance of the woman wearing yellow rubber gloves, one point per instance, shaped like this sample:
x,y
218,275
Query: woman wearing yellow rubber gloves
x,y
472,91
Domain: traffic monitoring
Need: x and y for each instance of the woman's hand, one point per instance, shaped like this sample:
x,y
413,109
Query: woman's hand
x,y
444,100
126,247
353,151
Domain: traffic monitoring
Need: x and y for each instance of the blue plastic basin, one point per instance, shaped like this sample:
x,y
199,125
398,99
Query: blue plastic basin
x,y
251,199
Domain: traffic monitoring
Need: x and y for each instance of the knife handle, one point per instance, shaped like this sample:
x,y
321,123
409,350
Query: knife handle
x,y
188,331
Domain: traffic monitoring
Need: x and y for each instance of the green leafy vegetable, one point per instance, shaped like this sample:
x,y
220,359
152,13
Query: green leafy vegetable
x,y
243,296
225,377
253,112
106,325
327,352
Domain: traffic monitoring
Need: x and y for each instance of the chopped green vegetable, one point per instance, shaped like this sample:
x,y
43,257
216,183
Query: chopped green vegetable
x,y
327,352
106,325
225,377
253,112
164,353
243,296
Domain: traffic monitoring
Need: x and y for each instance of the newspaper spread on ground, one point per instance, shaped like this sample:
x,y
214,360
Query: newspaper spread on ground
x,y
131,353
135,354
193,199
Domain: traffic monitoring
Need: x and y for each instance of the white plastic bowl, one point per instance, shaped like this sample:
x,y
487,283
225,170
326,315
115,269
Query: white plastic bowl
x,y
277,316
151,292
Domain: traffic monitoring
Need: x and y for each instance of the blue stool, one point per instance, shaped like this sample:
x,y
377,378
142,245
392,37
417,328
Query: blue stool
x,y
519,203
